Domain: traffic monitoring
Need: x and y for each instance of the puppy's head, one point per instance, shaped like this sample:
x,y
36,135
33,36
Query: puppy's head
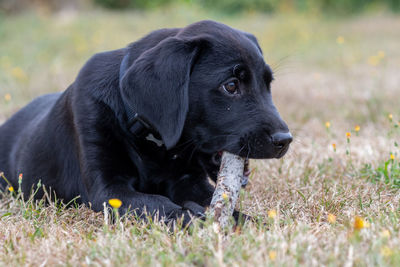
x,y
206,84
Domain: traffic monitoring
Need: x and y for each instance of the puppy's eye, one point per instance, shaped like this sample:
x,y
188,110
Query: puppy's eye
x,y
232,87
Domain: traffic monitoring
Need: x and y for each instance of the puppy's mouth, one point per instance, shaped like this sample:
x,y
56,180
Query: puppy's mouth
x,y
262,151
255,146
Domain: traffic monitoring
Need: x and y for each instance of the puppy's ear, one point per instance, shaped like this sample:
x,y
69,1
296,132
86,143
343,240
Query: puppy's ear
x,y
156,85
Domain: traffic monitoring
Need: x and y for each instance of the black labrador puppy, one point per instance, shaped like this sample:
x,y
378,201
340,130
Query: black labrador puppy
x,y
147,123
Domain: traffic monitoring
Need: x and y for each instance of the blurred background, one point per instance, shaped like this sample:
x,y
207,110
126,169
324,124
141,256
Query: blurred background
x,y
334,60
223,6
337,85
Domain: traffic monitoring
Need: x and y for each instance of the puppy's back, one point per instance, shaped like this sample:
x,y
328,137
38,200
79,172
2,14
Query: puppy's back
x,y
15,131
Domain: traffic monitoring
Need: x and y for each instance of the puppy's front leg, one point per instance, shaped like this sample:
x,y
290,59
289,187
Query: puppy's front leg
x,y
157,206
191,188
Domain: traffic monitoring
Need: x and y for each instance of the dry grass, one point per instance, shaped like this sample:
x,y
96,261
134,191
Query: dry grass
x,y
349,81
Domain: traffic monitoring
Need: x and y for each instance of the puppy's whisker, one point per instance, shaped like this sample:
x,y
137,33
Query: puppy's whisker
x,y
275,66
185,145
194,150
249,148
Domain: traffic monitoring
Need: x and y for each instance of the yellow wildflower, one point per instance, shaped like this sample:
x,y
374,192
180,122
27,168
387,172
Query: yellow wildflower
x,y
7,97
381,54
18,73
357,128
115,203
360,223
348,134
340,40
272,214
272,255
327,124
385,233
334,146
331,218
225,196
392,157
11,189
390,116
373,60
386,251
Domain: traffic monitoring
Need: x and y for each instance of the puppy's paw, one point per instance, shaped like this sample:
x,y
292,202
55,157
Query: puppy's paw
x,y
186,215
195,209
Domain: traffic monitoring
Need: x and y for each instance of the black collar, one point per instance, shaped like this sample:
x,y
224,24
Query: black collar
x,y
135,123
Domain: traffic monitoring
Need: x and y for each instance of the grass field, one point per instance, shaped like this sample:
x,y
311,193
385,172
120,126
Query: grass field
x,y
318,206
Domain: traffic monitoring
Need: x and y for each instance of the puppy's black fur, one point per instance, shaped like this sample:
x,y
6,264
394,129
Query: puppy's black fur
x,y
202,89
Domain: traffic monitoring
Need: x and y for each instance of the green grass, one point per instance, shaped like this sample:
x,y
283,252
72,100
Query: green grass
x,y
344,71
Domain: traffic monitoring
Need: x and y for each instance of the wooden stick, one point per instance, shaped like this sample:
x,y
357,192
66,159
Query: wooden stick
x,y
228,187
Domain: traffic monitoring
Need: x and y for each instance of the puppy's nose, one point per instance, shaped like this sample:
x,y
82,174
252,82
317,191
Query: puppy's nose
x,y
280,140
